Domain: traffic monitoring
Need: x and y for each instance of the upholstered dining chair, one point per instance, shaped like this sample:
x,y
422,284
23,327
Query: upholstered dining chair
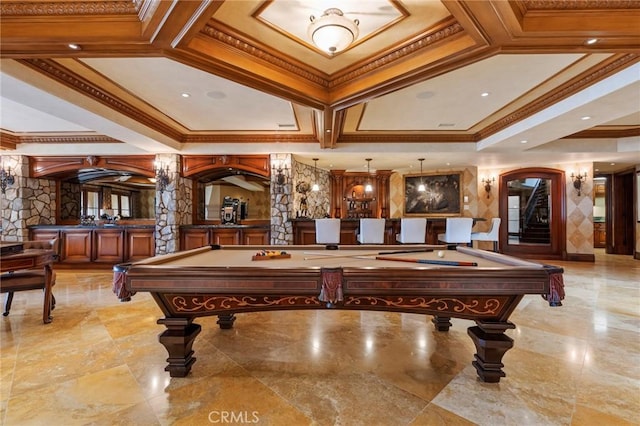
x,y
371,231
328,231
491,235
31,279
458,231
412,230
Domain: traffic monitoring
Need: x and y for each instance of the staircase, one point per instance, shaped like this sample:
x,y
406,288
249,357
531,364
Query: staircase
x,y
536,229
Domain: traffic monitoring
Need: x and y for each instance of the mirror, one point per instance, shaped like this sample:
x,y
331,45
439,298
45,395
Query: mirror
x,y
250,193
95,194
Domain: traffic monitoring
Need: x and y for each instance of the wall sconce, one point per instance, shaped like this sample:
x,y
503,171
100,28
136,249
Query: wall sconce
x,y
316,186
333,32
162,176
577,181
281,174
487,185
6,179
368,187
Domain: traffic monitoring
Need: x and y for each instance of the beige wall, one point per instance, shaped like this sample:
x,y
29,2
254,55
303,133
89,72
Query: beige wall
x,y
579,209
468,184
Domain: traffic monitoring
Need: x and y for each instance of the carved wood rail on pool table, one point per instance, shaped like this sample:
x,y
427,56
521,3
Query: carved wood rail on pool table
x,y
223,281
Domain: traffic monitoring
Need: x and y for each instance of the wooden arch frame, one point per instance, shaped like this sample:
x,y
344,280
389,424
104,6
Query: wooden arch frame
x,y
41,167
557,249
194,166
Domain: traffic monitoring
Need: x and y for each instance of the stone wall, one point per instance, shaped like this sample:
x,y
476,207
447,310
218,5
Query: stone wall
x,y
282,202
27,202
173,206
70,200
317,203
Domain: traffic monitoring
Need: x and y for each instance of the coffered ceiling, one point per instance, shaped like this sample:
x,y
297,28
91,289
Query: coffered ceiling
x,y
460,83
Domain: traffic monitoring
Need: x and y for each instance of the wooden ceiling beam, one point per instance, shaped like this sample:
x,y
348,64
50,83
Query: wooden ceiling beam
x,y
182,22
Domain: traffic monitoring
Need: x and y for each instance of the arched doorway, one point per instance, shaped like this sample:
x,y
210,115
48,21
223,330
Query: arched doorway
x,y
532,205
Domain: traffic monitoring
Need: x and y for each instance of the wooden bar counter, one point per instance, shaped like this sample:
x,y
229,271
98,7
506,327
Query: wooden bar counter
x,y
304,231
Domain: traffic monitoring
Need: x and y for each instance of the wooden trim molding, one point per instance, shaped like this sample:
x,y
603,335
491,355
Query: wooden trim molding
x,y
194,166
63,75
48,166
65,8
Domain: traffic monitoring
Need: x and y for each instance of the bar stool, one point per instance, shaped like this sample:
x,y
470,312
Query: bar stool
x,y
458,231
371,231
328,232
412,230
491,235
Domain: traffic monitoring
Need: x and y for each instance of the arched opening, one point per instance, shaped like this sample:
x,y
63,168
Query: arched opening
x,y
532,205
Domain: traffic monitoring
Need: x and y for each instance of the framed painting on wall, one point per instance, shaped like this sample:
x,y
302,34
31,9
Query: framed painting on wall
x,y
442,195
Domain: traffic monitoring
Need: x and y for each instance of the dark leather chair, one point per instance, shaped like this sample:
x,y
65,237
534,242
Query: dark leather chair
x,y
31,279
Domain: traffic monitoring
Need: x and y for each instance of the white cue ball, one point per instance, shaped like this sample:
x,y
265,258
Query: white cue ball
x,y
440,253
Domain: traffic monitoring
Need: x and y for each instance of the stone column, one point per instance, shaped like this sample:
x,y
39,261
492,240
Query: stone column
x,y
27,202
173,205
281,201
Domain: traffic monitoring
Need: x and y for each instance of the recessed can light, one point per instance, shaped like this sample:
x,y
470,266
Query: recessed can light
x,y
592,41
74,46
586,117
185,95
524,141
484,94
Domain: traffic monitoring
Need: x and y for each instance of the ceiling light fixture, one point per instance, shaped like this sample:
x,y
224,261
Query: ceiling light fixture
x,y
315,186
74,46
333,32
484,94
368,187
592,41
421,187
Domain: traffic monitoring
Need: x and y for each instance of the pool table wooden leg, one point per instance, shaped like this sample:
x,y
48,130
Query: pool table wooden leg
x,y
178,339
226,321
441,323
491,345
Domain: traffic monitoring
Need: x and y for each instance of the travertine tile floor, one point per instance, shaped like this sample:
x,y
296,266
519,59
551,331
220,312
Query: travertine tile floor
x,y
99,362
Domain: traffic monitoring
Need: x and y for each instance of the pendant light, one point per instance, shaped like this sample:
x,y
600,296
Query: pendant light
x,y
368,187
316,186
421,187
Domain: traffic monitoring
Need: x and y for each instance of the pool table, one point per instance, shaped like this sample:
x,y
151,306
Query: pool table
x,y
225,281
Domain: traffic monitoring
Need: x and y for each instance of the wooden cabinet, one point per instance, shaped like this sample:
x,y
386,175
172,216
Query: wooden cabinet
x,y
140,244
349,200
43,234
77,245
225,237
100,245
200,236
193,238
599,235
108,245
256,237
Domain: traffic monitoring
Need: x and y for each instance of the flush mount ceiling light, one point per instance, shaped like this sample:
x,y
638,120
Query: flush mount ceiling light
x,y
333,32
